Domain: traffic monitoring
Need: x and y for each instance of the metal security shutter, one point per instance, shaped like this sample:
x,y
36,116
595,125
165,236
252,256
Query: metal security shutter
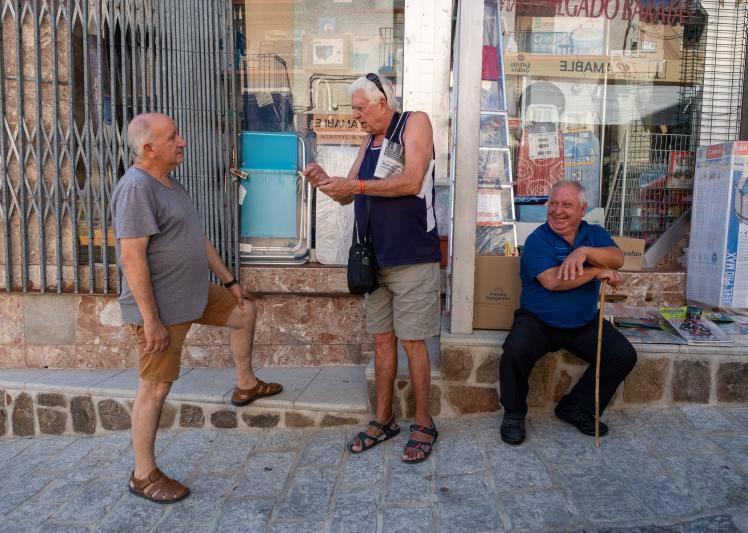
x,y
73,74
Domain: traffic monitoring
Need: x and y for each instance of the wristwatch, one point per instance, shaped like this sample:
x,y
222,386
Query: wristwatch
x,y
228,284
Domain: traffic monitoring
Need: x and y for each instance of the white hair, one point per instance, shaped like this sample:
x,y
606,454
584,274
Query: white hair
x,y
578,186
372,92
139,133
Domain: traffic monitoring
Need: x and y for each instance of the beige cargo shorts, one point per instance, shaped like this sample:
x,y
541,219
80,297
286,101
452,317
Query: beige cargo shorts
x,y
406,302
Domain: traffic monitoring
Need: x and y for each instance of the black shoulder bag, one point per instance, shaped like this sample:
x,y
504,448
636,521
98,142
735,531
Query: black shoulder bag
x,y
362,264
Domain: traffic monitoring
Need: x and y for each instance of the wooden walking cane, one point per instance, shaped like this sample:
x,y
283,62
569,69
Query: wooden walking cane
x,y
603,286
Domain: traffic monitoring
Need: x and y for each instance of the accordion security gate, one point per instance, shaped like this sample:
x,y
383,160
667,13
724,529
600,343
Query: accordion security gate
x,y
72,75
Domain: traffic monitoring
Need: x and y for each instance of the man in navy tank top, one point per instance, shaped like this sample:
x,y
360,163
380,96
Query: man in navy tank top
x,y
392,185
562,264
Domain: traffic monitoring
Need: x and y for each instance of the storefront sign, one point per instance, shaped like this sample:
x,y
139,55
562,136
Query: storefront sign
x,y
653,12
622,68
337,129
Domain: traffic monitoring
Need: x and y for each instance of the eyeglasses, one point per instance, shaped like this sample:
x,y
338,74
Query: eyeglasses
x,y
375,80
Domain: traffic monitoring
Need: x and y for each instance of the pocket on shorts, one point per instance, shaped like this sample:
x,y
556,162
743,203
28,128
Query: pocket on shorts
x,y
418,317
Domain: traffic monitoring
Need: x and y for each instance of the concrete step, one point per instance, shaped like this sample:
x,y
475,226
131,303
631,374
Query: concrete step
x,y
57,402
331,388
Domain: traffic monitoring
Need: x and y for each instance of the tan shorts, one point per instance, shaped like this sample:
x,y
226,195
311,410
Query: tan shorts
x,y
406,302
164,366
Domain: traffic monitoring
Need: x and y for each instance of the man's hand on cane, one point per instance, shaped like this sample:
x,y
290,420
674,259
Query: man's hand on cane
x,y
610,276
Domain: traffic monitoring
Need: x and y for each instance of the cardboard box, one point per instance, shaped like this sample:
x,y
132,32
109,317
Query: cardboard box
x,y
497,290
718,250
633,252
659,41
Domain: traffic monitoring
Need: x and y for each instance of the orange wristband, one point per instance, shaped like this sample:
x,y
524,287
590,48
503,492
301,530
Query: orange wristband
x,y
361,186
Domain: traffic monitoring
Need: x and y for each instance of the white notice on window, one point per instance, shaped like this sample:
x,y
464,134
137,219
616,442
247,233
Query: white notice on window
x,y
264,99
544,145
489,207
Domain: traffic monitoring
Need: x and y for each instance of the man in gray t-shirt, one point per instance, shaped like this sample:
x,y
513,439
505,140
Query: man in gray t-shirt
x,y
166,259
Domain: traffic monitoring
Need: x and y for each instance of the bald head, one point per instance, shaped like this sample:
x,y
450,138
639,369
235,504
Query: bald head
x,y
156,143
141,129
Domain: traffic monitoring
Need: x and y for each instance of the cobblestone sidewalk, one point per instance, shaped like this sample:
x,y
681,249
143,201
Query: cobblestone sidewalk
x,y
667,469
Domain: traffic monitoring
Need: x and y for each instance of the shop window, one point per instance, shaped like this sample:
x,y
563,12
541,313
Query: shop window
x,y
608,93
298,57
296,60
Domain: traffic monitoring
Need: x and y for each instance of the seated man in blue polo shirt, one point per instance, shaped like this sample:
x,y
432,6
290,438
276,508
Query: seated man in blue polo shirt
x,y
562,264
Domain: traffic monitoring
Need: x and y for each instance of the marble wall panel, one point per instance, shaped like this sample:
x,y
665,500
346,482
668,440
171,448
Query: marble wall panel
x,y
653,288
207,357
294,355
104,356
12,356
49,319
202,335
308,279
11,319
310,320
99,321
52,356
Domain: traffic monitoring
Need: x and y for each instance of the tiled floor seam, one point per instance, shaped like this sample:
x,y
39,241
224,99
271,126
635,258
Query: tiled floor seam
x,y
293,468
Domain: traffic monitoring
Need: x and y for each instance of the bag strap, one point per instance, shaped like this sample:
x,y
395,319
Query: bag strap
x,y
394,123
390,131
354,237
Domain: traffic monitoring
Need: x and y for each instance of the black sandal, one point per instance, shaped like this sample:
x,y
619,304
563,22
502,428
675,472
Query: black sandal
x,y
423,446
387,432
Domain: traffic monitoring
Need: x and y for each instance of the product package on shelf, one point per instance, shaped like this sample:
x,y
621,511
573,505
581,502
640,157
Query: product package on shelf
x,y
540,163
718,249
582,154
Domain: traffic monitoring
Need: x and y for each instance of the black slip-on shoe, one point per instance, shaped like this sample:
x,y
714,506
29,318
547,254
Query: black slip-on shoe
x,y
513,430
577,417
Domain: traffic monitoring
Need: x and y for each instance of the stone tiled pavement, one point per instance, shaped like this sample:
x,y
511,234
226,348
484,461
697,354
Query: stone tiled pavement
x,y
683,470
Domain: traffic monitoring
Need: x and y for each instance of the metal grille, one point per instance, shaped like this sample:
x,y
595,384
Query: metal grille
x,y
723,46
654,186
74,72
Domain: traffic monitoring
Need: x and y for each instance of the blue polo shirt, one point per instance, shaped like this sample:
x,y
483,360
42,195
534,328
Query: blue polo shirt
x,y
545,249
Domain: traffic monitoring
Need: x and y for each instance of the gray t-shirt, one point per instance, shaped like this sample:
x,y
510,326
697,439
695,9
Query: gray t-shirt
x,y
142,206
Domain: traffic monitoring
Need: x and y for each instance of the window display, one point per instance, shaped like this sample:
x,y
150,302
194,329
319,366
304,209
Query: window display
x,y
297,59
581,78
495,234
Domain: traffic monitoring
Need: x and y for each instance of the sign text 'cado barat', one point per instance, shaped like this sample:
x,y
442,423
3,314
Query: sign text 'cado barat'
x,y
649,11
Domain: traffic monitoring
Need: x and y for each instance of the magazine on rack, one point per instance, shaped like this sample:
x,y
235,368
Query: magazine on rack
x,y
692,328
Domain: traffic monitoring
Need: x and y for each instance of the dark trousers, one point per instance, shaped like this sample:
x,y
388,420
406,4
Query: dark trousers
x,y
530,339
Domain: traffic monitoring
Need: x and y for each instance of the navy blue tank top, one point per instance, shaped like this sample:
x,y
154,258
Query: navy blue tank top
x,y
403,229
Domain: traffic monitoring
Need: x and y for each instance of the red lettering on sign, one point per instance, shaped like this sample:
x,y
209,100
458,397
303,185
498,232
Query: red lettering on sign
x,y
714,152
741,148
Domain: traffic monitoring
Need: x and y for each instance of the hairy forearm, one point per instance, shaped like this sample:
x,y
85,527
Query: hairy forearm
x,y
609,257
216,264
394,186
138,276
549,279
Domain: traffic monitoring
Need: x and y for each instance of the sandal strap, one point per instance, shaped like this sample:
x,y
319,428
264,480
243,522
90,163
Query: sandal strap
x,y
157,486
150,479
386,427
430,431
367,441
419,445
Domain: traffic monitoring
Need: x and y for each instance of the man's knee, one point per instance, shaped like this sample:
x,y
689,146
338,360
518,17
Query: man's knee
x,y
517,348
384,339
244,317
154,390
410,346
628,357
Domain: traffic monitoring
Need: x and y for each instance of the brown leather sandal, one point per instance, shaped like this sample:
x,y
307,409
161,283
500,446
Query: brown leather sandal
x,y
242,397
158,488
